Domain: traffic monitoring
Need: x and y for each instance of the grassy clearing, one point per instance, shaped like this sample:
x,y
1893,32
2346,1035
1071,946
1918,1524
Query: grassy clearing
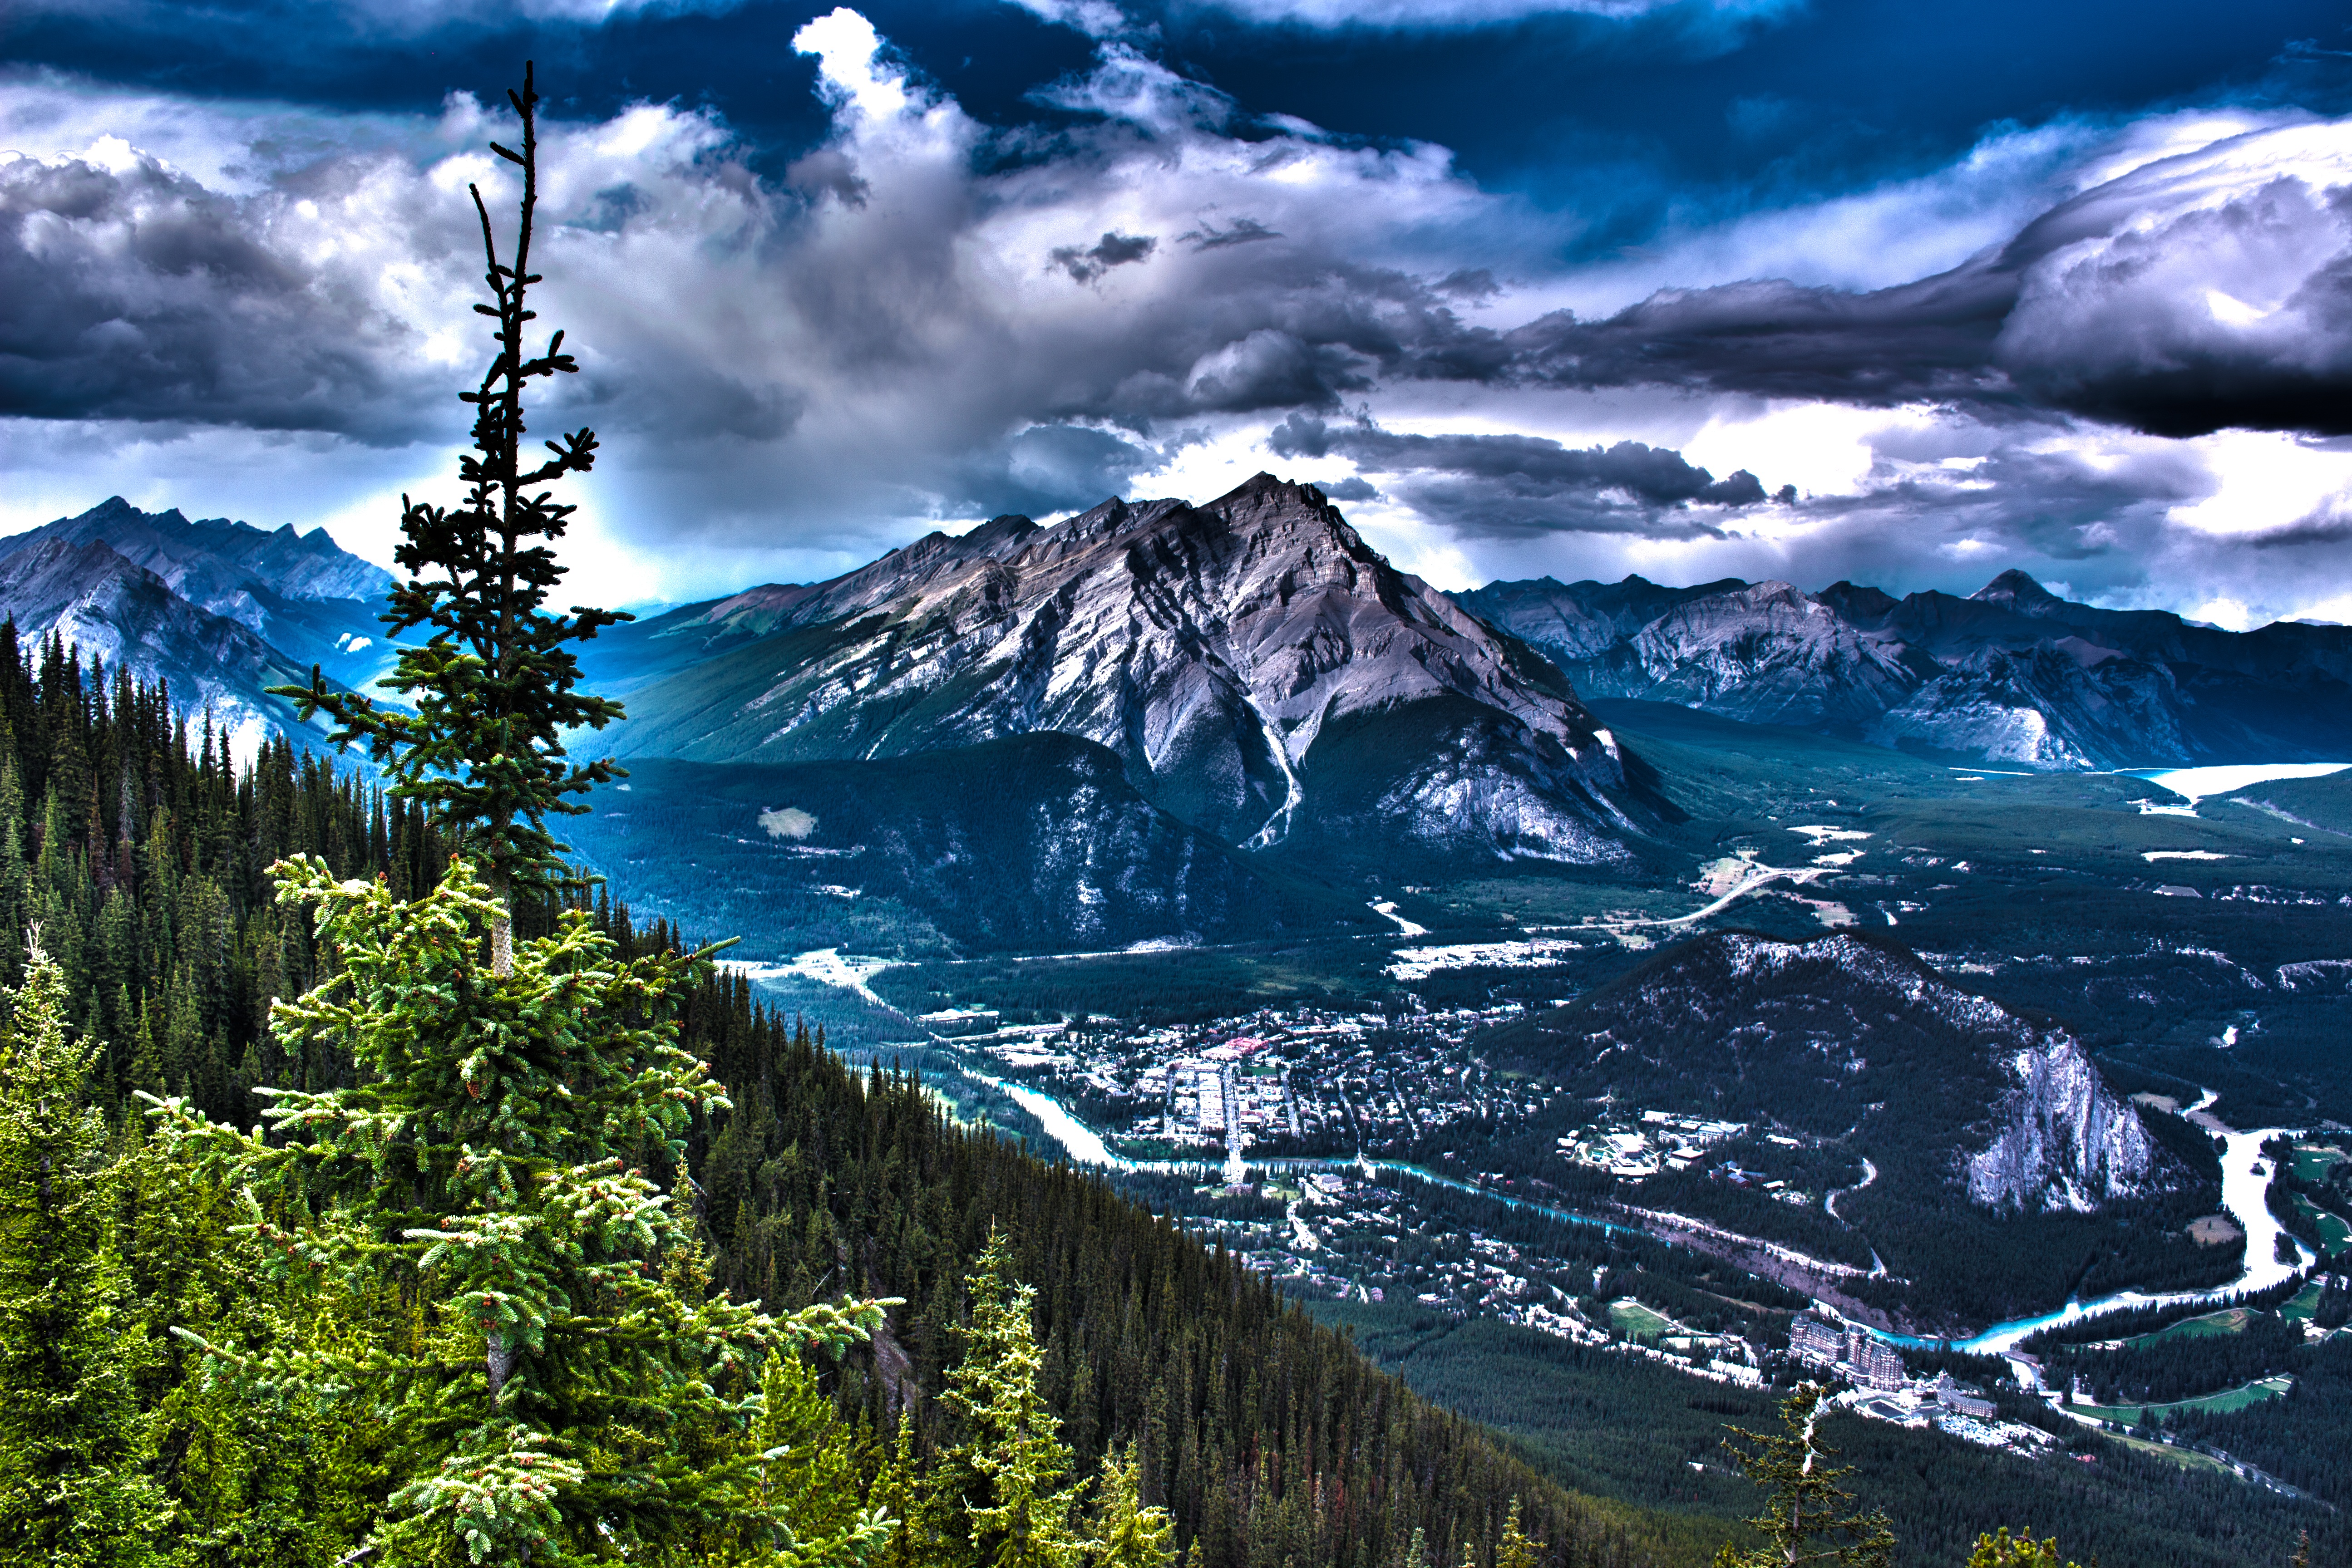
x,y
2305,1302
2335,1236
2312,1160
2227,1402
1635,1320
2231,1321
2187,1459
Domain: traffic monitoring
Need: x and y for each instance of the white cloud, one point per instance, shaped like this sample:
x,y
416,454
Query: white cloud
x,y
928,319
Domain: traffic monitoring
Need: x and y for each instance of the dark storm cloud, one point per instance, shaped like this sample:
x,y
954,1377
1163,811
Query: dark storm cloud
x,y
2207,292
1519,485
1085,264
1048,469
2161,303
876,321
1240,231
1931,340
2330,529
136,293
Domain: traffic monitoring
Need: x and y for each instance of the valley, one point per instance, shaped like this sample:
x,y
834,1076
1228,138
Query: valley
x,y
1398,1153
1611,1039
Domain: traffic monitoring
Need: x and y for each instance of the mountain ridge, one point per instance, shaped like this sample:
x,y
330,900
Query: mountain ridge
x,y
2011,674
1210,647
218,610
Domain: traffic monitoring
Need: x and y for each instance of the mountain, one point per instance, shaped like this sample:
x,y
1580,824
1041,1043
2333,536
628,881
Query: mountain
x,y
214,563
920,855
1941,1157
2011,674
219,610
1260,672
126,616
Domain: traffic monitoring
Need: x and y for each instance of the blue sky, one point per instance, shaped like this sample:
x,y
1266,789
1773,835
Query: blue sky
x,y
1900,294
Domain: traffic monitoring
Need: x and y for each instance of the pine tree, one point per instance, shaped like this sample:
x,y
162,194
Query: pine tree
x,y
73,1492
1515,1550
1003,1476
1121,1531
1999,1550
1807,1516
493,685
489,1165
807,1479
252,1483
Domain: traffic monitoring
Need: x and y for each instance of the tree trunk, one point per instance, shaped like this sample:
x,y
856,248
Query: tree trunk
x,y
502,924
500,1359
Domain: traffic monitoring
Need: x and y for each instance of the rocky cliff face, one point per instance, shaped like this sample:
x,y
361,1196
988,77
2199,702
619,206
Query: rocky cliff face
x,y
2065,1141
2012,674
1214,649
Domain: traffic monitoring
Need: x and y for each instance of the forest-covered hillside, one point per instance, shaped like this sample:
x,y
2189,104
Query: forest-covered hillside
x,y
139,851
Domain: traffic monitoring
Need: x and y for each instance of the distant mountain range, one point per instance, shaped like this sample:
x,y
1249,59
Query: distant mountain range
x,y
2011,674
221,610
1259,672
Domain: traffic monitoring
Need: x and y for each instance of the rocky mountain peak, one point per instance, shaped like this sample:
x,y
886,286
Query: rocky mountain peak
x,y
1210,647
229,568
2019,592
1859,602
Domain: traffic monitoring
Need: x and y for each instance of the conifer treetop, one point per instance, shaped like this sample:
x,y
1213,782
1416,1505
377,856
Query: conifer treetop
x,y
495,685
1008,1471
491,1158
1808,1517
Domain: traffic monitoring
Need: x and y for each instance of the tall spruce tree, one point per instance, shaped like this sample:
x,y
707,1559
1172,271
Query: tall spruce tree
x,y
1807,1517
495,685
1000,1485
73,1492
552,1379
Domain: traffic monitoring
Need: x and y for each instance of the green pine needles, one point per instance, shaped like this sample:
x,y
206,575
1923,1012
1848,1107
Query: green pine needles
x,y
550,1373
997,1498
73,1492
495,685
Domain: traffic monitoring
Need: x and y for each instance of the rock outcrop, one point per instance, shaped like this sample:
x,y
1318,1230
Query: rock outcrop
x,y
2066,1140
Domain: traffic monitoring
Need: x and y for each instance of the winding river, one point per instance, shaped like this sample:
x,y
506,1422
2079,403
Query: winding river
x,y
2242,1194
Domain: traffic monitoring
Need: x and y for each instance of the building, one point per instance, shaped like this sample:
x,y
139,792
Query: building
x,y
1815,1342
1962,1398
1875,1364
